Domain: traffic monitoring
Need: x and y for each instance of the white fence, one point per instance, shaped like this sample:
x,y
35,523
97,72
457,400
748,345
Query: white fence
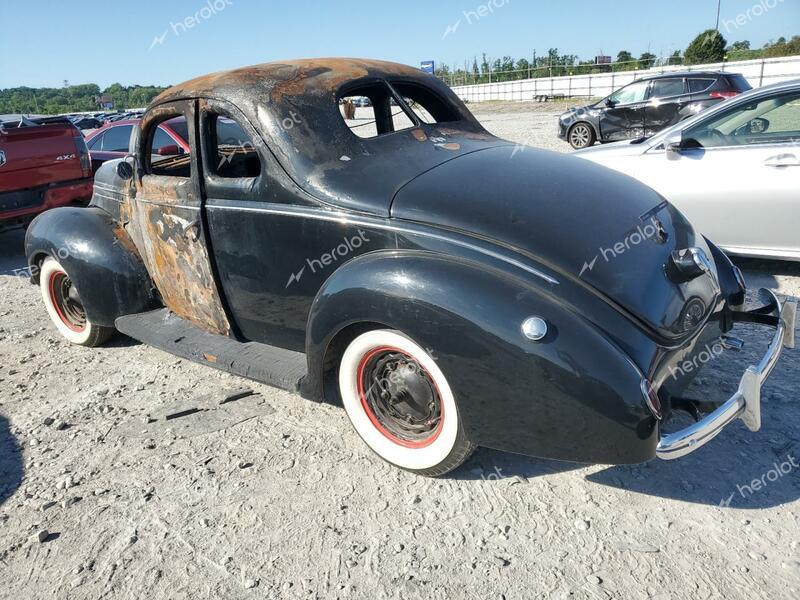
x,y
758,72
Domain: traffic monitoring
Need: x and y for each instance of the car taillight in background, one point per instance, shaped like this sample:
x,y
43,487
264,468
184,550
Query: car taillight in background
x,y
723,95
83,155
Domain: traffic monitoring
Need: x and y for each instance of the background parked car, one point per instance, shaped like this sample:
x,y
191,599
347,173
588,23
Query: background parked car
x,y
44,163
648,105
113,140
85,122
734,170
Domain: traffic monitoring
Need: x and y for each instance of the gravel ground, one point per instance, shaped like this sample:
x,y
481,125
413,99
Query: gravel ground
x,y
271,496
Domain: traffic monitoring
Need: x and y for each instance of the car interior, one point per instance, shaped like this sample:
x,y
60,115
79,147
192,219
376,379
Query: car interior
x,y
768,121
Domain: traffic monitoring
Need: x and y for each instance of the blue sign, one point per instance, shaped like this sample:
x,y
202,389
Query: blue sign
x,y
427,66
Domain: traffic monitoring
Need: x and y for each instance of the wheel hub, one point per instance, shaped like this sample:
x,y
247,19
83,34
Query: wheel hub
x,y
400,397
67,303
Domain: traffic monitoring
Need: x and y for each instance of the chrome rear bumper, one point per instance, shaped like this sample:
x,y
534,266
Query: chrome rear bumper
x,y
746,402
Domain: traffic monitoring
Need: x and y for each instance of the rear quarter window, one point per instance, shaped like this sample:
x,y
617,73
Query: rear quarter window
x,y
739,83
699,85
117,139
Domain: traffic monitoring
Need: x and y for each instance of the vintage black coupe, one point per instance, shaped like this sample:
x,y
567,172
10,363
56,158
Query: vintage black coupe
x,y
450,290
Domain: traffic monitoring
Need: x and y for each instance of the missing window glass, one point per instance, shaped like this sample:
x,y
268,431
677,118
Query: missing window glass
x,y
236,155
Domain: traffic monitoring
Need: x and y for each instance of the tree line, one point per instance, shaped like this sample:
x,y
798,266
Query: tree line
x,y
708,47
74,98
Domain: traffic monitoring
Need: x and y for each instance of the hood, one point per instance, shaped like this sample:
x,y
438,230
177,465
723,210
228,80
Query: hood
x,y
583,221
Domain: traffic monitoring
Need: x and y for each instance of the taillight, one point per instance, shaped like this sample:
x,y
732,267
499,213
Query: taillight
x,y
723,95
83,155
651,398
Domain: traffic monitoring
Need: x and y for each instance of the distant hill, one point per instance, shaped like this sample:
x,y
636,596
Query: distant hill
x,y
74,98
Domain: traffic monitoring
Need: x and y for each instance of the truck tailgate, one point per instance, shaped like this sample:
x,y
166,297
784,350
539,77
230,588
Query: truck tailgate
x,y
38,156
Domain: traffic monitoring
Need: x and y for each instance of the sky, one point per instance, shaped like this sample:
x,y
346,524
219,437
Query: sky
x,y
150,42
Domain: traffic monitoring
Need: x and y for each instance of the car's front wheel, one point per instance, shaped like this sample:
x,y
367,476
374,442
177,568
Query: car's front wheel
x,y
581,135
63,304
401,404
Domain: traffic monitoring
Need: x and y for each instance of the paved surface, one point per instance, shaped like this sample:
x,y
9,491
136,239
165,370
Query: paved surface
x,y
275,497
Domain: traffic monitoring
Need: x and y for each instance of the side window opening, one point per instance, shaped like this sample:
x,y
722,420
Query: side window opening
x,y
699,85
667,88
232,150
365,110
161,140
117,139
167,159
372,110
427,106
96,143
772,120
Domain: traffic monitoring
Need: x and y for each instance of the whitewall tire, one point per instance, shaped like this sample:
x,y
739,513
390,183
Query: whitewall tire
x,y
400,403
64,306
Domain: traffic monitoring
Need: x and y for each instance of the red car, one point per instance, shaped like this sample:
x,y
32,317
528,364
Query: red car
x,y
113,140
44,163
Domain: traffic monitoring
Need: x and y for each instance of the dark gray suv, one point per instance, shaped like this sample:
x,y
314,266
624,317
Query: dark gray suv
x,y
648,105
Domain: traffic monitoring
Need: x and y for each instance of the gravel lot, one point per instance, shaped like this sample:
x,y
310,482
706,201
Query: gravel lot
x,y
274,497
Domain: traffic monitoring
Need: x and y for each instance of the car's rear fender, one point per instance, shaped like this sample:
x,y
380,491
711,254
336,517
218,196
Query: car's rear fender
x,y
573,396
98,256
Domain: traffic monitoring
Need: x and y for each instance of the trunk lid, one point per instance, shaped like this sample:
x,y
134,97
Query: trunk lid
x,y
586,222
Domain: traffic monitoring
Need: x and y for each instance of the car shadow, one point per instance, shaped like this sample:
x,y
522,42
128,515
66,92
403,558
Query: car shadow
x,y
11,470
12,252
728,473
494,465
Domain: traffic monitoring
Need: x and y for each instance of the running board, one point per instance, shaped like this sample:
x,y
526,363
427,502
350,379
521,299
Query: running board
x,y
164,330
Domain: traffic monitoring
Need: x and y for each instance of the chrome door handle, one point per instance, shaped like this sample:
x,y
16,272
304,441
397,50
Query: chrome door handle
x,y
191,231
782,160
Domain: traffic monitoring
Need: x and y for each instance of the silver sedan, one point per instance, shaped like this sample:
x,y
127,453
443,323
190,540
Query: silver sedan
x,y
733,170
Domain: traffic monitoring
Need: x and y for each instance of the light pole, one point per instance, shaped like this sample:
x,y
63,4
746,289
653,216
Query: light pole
x,y
719,3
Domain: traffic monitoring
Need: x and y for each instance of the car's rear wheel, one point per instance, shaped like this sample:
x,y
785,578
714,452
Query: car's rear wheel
x,y
400,403
581,135
63,304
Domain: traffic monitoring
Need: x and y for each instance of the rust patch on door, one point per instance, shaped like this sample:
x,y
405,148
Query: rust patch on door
x,y
168,231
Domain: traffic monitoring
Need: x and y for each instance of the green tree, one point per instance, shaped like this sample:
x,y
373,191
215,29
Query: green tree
x,y
708,47
675,58
522,66
646,60
624,56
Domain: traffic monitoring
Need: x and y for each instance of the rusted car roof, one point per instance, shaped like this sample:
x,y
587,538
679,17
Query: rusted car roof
x,y
292,77
318,150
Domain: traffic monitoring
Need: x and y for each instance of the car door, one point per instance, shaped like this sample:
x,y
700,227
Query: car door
x,y
260,238
665,100
167,225
274,246
623,115
737,177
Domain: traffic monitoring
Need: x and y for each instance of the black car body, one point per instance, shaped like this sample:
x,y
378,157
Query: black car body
x,y
469,284
648,105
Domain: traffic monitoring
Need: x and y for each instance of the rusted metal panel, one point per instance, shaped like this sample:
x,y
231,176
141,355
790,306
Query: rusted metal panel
x,y
168,235
164,221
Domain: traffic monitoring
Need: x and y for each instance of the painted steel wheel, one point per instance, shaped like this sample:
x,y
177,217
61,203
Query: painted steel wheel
x,y
63,304
400,403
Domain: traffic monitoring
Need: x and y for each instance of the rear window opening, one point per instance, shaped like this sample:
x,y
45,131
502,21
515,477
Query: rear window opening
x,y
372,110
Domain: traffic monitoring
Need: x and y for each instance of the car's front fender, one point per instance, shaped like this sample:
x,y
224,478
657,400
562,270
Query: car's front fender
x,y
574,395
99,257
